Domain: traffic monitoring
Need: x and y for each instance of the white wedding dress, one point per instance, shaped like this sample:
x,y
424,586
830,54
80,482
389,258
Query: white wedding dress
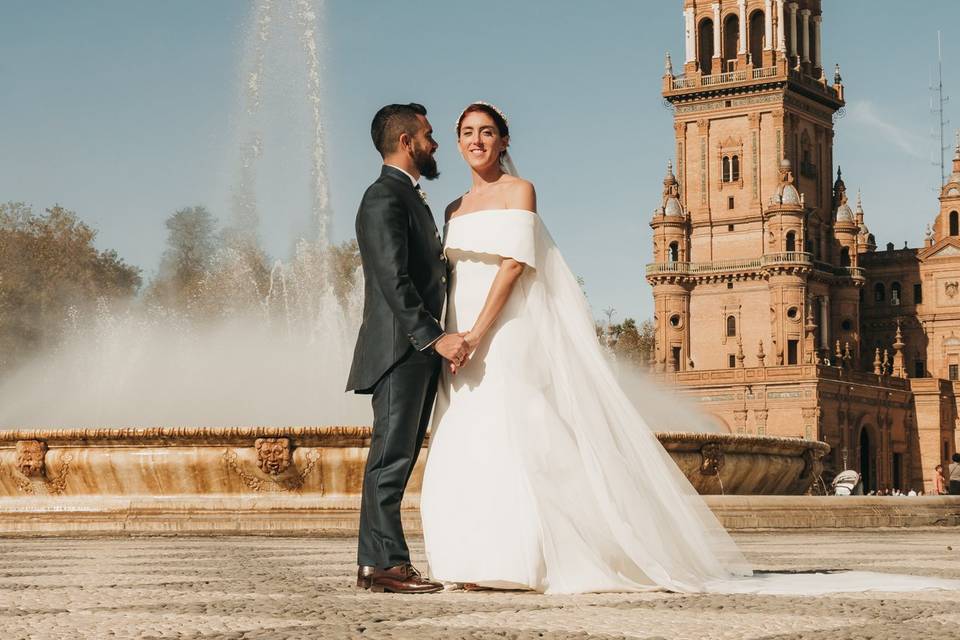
x,y
541,474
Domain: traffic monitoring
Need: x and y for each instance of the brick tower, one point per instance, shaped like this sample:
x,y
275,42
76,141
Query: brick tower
x,y
756,246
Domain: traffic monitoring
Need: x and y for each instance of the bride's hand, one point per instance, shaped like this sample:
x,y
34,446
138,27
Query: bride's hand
x,y
472,342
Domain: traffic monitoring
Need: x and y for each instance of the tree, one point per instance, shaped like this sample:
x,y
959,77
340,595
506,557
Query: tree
x,y
191,247
634,344
344,263
49,265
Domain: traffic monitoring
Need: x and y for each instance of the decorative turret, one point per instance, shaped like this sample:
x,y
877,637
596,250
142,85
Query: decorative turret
x,y
899,370
810,354
785,214
948,221
670,223
845,228
671,246
865,240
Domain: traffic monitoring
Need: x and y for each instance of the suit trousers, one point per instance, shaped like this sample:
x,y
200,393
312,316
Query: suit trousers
x,y
402,404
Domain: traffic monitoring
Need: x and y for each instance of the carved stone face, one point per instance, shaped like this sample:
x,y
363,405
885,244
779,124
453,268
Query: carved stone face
x,y
30,454
273,455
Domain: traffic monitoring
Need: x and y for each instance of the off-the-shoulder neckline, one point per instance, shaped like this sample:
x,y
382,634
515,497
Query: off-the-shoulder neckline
x,y
479,211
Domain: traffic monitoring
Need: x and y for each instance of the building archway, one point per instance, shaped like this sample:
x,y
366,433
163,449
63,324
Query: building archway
x,y
705,46
868,473
757,37
731,41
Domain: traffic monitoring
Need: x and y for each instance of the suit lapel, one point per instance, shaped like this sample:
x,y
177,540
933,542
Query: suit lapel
x,y
419,204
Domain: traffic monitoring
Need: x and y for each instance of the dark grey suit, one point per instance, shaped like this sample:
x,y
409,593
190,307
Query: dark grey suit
x,y
405,283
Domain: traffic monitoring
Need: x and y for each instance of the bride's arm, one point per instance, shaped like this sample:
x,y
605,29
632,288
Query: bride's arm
x,y
522,196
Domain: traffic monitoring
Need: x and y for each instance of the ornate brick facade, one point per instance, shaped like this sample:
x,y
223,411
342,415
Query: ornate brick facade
x,y
772,305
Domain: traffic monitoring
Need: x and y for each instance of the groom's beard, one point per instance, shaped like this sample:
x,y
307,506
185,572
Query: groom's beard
x,y
426,164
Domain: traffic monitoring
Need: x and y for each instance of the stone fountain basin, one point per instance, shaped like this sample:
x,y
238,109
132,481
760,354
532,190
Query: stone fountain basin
x,y
324,463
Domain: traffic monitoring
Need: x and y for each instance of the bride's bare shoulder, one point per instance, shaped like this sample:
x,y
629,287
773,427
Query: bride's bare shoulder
x,y
452,208
520,194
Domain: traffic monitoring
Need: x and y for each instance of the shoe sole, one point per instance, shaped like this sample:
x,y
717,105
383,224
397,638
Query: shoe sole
x,y
381,589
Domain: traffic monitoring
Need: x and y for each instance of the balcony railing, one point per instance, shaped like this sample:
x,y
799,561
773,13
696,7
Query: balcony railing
x,y
696,80
799,257
750,264
769,72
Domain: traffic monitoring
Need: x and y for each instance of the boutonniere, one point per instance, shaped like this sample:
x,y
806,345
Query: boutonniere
x,y
423,195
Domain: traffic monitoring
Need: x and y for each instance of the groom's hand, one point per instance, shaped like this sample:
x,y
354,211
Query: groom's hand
x,y
453,348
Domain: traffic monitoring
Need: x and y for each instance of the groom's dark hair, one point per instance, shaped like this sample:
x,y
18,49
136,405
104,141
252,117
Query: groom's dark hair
x,y
391,121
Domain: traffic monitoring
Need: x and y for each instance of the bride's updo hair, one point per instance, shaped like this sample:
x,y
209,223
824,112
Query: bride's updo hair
x,y
498,118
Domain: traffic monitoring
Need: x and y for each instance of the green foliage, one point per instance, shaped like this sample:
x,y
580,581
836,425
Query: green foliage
x,y
191,248
344,262
633,343
49,265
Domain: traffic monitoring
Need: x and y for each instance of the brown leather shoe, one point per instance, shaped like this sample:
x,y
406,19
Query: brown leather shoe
x,y
402,578
364,576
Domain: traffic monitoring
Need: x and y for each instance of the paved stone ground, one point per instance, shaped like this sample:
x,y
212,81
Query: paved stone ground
x,y
264,588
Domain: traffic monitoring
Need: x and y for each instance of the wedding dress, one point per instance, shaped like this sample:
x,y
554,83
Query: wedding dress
x,y
541,474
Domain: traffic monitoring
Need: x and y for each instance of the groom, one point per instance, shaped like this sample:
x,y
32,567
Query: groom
x,y
397,357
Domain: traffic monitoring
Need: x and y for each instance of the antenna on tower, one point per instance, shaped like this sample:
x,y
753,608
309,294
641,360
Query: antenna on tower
x,y
941,100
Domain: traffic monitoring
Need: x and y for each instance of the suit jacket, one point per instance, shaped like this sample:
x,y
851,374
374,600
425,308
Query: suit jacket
x,y
405,278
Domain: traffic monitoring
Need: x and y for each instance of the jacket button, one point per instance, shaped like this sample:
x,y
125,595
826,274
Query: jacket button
x,y
443,279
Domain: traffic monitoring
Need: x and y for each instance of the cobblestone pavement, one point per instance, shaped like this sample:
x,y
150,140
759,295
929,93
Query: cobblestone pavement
x,y
261,587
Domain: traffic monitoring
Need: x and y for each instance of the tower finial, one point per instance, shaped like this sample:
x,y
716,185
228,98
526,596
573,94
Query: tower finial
x,y
836,74
668,65
859,201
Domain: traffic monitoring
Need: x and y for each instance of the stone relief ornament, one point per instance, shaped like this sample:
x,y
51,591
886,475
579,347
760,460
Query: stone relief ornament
x,y
951,289
32,475
273,455
275,463
30,455
711,459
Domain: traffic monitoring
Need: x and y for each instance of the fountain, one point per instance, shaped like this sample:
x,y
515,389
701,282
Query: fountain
x,y
274,353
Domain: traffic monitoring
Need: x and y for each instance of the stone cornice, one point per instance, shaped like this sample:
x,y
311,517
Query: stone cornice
x,y
309,436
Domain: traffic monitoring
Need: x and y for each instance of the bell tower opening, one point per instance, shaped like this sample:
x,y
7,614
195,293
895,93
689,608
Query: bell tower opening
x,y
705,46
757,38
731,42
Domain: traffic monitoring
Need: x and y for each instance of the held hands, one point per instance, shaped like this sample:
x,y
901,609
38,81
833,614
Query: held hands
x,y
453,347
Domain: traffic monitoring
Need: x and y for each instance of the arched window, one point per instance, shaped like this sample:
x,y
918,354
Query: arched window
x,y
731,327
954,223
674,254
757,38
845,256
726,168
879,292
895,293
735,168
705,46
791,241
731,41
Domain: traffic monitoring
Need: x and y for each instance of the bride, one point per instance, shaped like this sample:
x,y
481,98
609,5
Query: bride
x,y
541,474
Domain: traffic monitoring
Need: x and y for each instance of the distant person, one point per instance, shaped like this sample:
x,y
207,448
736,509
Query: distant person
x,y
912,493
939,484
954,475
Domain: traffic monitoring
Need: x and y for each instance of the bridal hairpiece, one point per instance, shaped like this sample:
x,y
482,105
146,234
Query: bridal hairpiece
x,y
485,104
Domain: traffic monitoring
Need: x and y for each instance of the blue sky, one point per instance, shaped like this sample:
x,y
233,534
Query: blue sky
x,y
125,111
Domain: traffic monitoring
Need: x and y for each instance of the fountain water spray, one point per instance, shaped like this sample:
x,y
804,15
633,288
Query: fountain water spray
x,y
255,345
